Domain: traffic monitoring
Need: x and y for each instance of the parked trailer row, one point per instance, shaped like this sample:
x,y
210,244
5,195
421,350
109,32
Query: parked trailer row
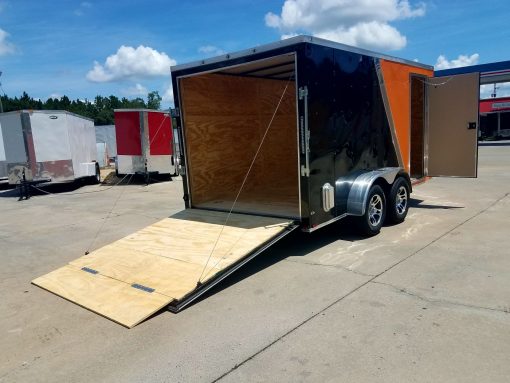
x,y
58,146
299,133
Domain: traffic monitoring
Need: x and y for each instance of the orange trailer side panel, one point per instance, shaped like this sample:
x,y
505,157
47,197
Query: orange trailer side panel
x,y
397,83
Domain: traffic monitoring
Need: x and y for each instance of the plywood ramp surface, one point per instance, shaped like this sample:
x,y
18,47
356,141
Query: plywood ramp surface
x,y
134,277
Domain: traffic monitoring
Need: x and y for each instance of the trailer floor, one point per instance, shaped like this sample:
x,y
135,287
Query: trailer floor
x,y
425,301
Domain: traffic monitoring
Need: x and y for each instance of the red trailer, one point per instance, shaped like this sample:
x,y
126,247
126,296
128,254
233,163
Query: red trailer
x,y
144,142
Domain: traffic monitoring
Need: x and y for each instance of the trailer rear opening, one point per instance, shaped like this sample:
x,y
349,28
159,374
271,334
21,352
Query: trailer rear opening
x,y
226,115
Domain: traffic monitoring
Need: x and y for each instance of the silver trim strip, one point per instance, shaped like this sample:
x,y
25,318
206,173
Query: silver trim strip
x,y
296,87
292,41
31,111
142,110
184,153
312,229
304,132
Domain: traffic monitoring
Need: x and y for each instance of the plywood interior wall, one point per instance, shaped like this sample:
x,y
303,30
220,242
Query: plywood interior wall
x,y
417,126
225,118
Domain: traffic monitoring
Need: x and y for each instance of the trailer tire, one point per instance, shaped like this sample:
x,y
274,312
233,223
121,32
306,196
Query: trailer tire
x,y
370,223
398,201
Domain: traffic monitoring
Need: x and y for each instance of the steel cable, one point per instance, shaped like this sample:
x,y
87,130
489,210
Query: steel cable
x,y
241,188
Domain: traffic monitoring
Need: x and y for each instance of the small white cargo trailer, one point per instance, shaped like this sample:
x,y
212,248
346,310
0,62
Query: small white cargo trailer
x,y
48,146
3,164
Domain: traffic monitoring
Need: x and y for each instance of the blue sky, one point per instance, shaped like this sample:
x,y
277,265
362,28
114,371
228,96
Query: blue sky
x,y
50,48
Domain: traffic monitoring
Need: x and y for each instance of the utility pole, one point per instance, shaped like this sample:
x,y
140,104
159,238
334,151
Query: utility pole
x,y
493,95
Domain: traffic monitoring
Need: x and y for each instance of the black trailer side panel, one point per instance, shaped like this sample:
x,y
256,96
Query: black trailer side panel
x,y
349,129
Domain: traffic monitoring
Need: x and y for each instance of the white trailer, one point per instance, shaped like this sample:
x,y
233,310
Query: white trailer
x,y
3,164
48,146
106,144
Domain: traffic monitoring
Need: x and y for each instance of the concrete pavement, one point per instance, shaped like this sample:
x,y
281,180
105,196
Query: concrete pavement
x,y
424,301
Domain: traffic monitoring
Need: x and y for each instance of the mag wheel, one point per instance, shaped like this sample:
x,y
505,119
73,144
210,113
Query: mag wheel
x,y
371,222
398,205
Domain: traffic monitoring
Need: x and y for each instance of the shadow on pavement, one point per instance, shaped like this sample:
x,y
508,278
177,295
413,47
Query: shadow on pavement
x,y
74,187
418,204
296,244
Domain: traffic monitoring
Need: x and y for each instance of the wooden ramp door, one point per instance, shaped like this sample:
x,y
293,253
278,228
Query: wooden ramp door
x,y
134,277
453,125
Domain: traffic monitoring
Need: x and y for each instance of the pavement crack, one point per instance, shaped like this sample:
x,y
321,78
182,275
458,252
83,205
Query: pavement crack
x,y
332,266
299,325
405,291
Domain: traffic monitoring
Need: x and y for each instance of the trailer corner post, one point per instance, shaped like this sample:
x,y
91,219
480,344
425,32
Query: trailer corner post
x,y
304,132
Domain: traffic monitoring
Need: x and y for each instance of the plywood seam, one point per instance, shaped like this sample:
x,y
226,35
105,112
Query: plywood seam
x,y
118,280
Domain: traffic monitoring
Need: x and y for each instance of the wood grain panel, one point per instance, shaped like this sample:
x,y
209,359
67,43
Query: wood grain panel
x,y
113,299
417,126
225,118
169,256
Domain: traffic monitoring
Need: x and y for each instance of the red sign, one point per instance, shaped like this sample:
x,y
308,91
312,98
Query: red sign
x,y
492,105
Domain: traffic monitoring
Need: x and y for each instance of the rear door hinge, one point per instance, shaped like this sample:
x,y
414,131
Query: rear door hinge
x,y
303,92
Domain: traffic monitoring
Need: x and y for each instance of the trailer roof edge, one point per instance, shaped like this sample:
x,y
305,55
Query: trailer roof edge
x,y
140,110
292,41
48,111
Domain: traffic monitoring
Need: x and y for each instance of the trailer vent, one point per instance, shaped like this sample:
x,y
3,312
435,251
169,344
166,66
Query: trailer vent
x,y
328,197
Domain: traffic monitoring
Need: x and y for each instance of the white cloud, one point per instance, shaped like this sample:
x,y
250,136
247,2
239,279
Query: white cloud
x,y
502,90
463,60
136,90
211,50
131,62
289,35
168,95
80,11
373,35
363,23
58,96
6,47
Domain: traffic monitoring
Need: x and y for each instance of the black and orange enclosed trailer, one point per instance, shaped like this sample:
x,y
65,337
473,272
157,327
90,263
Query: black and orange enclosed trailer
x,y
324,125
299,133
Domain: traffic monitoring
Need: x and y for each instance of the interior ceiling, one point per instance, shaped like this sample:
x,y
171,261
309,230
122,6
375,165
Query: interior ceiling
x,y
278,67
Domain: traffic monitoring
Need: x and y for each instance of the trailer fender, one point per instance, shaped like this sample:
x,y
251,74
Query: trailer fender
x,y
355,192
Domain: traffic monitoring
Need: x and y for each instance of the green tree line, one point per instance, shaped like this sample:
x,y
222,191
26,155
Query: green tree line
x,y
100,109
